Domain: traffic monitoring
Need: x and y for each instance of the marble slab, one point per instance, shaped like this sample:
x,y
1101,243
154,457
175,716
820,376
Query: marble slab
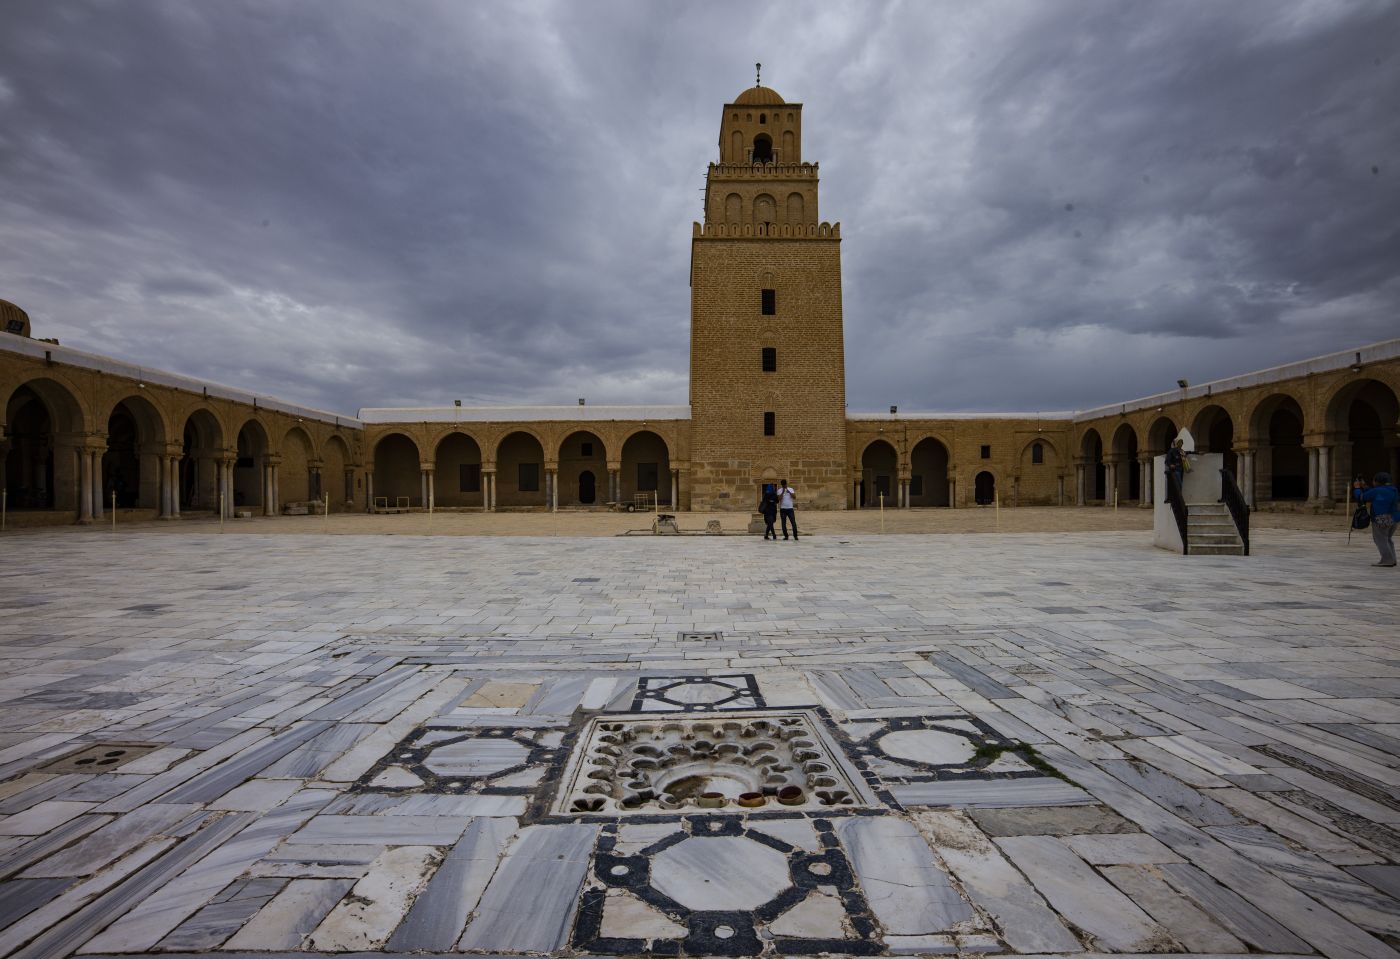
x,y
995,886
439,915
529,904
907,890
286,921
1082,897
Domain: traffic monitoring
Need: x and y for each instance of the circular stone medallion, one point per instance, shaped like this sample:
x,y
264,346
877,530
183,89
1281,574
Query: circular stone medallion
x,y
927,746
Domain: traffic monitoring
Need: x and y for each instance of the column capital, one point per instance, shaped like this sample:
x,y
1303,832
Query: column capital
x,y
427,466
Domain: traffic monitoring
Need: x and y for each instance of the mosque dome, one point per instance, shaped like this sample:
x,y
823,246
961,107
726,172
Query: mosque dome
x,y
13,319
759,96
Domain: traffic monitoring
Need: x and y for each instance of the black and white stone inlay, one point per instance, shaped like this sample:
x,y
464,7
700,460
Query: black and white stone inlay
x,y
721,886
491,760
915,749
696,693
735,762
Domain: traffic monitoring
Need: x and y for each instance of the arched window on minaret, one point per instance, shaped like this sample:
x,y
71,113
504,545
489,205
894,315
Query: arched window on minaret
x,y
763,148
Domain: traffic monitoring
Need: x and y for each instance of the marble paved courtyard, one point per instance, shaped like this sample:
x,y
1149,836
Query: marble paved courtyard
x,y
1027,744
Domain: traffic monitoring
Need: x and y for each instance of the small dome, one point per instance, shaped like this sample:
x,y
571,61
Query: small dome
x,y
13,319
759,96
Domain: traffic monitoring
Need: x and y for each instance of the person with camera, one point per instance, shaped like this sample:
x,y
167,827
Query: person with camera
x,y
1385,512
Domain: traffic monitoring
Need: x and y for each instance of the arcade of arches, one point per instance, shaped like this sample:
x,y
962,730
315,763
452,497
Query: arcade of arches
x,y
75,446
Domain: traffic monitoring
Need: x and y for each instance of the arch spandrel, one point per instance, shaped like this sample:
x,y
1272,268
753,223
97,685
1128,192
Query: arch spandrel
x,y
61,399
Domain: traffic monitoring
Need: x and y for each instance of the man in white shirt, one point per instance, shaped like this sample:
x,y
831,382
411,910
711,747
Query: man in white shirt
x,y
787,505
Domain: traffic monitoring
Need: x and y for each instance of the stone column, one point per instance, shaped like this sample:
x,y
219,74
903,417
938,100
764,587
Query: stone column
x,y
488,490
1079,483
369,491
552,481
1246,482
85,494
1110,482
175,462
675,490
276,488
348,484
98,510
1060,491
1324,472
1145,485
432,493
1312,473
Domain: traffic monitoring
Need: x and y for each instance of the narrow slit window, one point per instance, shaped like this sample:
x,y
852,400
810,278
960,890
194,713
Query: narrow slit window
x,y
986,452
770,424
770,359
770,302
1037,453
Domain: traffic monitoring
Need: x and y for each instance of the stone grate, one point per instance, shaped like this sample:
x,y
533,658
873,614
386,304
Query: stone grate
x,y
101,757
734,762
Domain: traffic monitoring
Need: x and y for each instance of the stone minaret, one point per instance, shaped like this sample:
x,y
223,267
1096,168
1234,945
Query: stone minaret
x,y
767,360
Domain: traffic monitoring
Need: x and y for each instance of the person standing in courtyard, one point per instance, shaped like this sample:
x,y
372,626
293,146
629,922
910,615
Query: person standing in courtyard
x,y
769,509
1176,465
1385,513
787,505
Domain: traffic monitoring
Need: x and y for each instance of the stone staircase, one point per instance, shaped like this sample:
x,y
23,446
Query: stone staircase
x,y
1210,531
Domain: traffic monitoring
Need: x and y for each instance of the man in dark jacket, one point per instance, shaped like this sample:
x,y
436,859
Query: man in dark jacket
x,y
769,509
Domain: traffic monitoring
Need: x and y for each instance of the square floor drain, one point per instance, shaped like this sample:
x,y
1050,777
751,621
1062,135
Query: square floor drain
x,y
734,762
101,758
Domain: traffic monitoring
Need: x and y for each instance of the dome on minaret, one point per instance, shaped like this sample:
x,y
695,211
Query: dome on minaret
x,y
13,319
759,96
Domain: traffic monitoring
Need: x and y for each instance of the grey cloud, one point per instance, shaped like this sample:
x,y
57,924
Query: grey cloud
x,y
358,204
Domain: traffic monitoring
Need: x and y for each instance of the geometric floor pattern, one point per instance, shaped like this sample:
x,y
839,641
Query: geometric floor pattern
x,y
1063,744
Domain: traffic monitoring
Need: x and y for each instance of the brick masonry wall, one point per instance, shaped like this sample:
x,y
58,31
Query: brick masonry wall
x,y
729,392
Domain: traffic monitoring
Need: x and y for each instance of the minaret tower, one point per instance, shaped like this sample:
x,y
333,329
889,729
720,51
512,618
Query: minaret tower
x,y
767,360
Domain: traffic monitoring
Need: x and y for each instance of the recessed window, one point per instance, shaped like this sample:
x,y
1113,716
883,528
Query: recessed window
x,y
1037,453
529,478
770,359
986,452
770,302
770,424
469,478
763,118
587,449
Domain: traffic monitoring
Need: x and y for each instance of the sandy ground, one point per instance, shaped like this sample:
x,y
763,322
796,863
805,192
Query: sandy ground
x,y
588,523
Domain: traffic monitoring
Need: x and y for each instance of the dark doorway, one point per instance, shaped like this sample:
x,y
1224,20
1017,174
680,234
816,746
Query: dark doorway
x,y
587,488
984,488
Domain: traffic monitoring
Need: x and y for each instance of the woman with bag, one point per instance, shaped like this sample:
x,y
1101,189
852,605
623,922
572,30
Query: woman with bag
x,y
1385,512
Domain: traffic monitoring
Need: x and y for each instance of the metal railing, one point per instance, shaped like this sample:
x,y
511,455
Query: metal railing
x,y
1239,509
1178,502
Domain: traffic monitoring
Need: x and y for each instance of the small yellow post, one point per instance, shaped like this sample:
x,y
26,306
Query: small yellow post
x,y
114,511
221,512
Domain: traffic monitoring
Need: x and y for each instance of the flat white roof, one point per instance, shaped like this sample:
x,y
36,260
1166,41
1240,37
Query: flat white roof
x,y
68,356
521,414
921,415
1384,350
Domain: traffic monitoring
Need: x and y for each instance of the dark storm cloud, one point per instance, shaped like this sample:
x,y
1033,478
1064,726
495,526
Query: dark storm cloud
x,y
1045,206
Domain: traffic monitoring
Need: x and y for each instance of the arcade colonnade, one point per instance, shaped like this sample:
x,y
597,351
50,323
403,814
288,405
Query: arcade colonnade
x,y
541,463
1294,437
83,434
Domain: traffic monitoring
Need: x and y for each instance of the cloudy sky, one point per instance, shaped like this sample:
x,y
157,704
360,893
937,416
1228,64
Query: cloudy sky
x,y
1044,206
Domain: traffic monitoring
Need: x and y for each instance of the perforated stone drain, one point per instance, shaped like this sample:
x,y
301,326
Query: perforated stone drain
x,y
99,758
733,762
